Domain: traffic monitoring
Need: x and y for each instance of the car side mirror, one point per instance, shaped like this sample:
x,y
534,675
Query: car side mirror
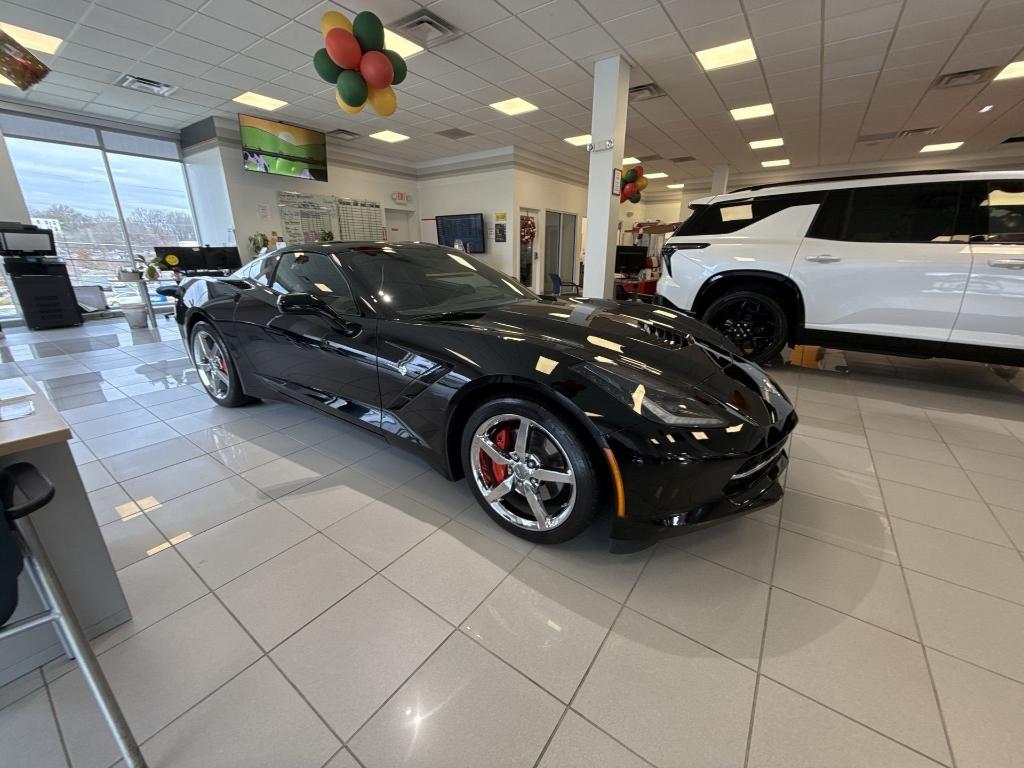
x,y
310,304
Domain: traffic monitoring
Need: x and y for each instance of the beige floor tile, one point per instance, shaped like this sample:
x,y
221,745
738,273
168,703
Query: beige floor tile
x,y
924,474
837,484
743,544
249,454
911,447
831,454
28,734
1012,521
837,432
131,540
163,485
282,476
856,528
940,510
990,463
998,491
207,507
578,744
332,498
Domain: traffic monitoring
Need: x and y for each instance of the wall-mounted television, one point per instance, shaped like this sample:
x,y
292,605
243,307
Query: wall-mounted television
x,y
467,227
282,149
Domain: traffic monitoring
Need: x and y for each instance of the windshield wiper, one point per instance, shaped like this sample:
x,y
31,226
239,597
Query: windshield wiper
x,y
451,315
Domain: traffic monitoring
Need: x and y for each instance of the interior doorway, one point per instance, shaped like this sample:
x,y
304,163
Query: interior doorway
x,y
529,245
398,225
560,253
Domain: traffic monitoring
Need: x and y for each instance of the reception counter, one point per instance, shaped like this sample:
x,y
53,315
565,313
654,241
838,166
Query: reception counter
x,y
70,534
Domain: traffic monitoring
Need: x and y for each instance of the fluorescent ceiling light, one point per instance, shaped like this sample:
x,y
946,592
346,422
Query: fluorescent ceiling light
x,y
675,186
389,136
578,141
514,106
37,41
6,81
1013,69
260,102
774,163
630,160
986,108
727,55
400,45
766,143
949,146
747,113
658,175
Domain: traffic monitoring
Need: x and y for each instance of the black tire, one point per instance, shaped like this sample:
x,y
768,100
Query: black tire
x,y
753,319
571,448
233,396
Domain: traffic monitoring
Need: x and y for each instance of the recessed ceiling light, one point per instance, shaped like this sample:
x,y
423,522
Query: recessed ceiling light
x,y
1013,69
400,45
986,108
657,175
747,113
774,163
675,186
578,141
37,41
389,136
260,102
514,106
630,160
947,147
766,143
727,55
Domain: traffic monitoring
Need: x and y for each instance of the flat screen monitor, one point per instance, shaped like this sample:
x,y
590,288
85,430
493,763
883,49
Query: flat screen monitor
x,y
282,149
27,243
467,227
223,257
185,257
630,259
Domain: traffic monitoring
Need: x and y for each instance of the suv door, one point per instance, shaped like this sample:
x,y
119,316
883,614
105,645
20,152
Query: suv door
x,y
993,306
882,261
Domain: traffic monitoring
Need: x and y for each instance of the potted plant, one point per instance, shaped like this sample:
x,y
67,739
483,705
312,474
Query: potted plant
x,y
258,242
326,236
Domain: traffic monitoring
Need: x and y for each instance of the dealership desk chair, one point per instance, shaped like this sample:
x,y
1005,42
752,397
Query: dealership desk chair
x,y
558,283
20,544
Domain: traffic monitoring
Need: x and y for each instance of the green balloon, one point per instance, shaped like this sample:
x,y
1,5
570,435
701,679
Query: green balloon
x,y
368,31
635,198
629,176
397,64
352,88
324,67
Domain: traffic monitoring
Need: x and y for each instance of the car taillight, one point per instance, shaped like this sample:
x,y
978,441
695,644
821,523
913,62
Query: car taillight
x,y
671,248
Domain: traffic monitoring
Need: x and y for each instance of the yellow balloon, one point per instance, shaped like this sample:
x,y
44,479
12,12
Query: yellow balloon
x,y
333,19
382,100
641,183
346,107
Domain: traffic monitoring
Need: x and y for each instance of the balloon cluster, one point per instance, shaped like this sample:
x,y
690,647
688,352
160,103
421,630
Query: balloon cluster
x,y
354,59
633,183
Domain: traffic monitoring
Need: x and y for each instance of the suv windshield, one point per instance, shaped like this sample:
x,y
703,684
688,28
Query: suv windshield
x,y
429,279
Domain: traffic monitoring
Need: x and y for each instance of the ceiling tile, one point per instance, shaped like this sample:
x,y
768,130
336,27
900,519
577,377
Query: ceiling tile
x,y
118,23
460,81
694,13
468,15
537,57
464,51
640,26
298,37
428,65
176,62
859,66
284,57
795,39
917,11
162,12
559,17
862,22
782,16
247,65
507,35
564,74
606,10
387,10
245,14
788,62
195,49
716,33
218,33
96,57
104,41
583,43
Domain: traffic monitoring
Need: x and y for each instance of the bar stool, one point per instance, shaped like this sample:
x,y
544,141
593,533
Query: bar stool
x,y
19,544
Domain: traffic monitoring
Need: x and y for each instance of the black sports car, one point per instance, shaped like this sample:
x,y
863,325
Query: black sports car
x,y
553,408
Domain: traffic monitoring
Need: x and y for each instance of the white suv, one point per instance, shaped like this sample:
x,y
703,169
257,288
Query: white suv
x,y
923,264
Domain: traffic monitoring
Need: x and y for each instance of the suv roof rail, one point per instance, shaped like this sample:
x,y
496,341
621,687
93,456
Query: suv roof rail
x,y
756,187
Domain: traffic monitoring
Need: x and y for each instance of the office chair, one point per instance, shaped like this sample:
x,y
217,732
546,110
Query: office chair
x,y
558,283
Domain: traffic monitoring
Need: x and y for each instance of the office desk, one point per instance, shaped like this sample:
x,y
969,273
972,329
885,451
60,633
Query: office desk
x,y
71,536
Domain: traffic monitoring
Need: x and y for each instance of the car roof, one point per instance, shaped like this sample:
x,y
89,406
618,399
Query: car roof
x,y
847,182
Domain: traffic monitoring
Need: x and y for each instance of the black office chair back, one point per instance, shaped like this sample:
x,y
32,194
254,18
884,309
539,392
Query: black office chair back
x,y
23,480
556,282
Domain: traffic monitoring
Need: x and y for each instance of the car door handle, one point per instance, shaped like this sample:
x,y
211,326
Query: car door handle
x,y
824,258
1007,263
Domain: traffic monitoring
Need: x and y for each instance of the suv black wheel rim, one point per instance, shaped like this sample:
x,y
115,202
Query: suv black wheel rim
x,y
749,324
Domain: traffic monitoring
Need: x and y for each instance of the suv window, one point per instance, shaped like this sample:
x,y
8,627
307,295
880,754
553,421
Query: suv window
x,y
999,215
733,215
301,272
901,213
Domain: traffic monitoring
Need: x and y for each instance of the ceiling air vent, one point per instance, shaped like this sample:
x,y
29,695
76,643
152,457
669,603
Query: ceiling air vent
x,y
1013,140
343,135
648,158
144,85
871,138
683,159
645,92
966,77
454,133
426,28
917,132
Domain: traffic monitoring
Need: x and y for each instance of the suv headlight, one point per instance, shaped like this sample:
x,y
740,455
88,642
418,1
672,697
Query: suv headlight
x,y
648,397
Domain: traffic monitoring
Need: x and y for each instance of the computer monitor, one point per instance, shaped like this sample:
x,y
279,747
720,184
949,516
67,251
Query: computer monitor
x,y
223,257
187,257
630,259
22,240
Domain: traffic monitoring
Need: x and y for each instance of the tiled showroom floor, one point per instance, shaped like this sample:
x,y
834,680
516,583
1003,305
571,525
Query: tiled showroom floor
x,y
305,596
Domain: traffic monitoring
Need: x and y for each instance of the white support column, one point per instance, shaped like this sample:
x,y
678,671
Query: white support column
x,y
608,121
719,179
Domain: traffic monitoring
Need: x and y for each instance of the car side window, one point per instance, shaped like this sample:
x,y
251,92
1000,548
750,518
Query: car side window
x,y
1000,214
733,215
899,213
302,272
263,269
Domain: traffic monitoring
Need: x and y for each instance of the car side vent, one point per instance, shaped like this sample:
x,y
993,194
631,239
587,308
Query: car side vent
x,y
666,336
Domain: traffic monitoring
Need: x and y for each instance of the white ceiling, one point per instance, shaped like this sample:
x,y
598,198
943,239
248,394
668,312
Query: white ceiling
x,y
834,70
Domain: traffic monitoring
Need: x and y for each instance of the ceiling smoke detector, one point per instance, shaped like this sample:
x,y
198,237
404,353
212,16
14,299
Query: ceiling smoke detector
x,y
966,77
145,85
645,92
341,133
426,28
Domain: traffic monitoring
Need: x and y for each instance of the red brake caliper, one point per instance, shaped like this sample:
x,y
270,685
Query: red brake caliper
x,y
493,472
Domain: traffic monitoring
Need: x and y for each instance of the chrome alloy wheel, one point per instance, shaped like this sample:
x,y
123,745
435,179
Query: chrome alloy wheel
x,y
212,364
522,472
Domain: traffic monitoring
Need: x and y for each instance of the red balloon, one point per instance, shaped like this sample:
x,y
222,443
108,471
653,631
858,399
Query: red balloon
x,y
376,69
639,170
629,190
343,48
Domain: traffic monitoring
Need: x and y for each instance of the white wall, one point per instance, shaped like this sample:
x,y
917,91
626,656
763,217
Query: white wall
x,y
12,204
486,192
210,197
543,193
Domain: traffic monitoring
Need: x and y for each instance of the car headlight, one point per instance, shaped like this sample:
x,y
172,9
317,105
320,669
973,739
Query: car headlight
x,y
650,398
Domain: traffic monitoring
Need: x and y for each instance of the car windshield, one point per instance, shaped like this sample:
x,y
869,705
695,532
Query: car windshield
x,y
415,280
